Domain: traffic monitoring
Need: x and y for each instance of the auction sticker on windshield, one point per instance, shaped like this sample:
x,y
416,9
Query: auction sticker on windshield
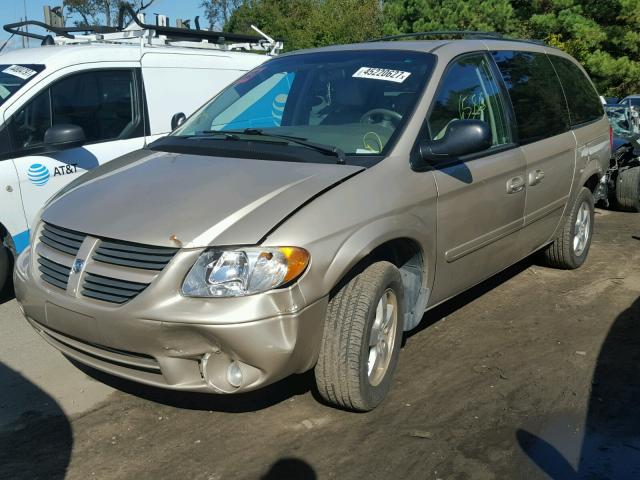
x,y
397,76
19,71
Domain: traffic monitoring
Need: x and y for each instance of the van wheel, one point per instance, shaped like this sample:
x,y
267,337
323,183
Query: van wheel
x,y
361,340
628,190
570,248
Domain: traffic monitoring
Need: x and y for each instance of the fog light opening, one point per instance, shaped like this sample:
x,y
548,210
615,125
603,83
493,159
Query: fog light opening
x,y
234,374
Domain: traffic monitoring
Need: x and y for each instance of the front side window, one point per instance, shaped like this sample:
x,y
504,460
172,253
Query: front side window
x,y
356,101
468,91
28,125
536,94
14,77
582,99
102,102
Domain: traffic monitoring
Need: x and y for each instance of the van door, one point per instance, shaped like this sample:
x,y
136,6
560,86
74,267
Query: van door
x,y
167,91
547,142
480,199
106,103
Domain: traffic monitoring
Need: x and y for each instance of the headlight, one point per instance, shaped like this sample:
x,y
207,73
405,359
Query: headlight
x,y
235,273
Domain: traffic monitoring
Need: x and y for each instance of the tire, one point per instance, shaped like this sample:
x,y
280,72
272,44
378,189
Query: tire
x,y
566,252
5,268
342,373
628,190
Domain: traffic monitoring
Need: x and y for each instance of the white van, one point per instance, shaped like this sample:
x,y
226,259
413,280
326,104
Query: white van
x,y
121,93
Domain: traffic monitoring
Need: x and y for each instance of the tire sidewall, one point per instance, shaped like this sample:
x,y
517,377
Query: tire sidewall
x,y
373,395
584,196
629,200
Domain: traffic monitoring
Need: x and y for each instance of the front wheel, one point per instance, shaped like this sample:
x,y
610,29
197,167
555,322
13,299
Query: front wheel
x,y
361,340
569,250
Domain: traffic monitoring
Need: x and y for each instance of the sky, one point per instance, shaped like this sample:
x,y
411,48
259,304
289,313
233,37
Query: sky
x,y
13,10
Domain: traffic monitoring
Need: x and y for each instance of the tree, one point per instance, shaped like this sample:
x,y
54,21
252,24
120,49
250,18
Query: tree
x,y
309,23
218,12
409,16
100,12
603,36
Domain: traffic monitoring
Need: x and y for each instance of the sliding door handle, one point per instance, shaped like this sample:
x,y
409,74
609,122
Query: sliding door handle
x,y
515,184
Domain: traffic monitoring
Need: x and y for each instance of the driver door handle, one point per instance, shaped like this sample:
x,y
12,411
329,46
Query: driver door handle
x,y
515,184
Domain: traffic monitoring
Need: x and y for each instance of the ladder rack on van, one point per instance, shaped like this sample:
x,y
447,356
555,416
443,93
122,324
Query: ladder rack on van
x,y
139,31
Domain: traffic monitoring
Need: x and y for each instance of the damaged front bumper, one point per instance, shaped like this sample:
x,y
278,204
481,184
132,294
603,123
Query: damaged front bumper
x,y
160,338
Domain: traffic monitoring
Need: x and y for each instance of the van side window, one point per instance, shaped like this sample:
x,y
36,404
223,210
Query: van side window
x,y
102,102
27,126
468,91
536,94
584,103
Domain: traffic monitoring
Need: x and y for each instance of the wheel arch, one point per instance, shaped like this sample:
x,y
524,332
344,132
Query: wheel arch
x,y
401,248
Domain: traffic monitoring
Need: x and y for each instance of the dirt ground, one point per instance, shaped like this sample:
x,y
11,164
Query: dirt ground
x,y
533,374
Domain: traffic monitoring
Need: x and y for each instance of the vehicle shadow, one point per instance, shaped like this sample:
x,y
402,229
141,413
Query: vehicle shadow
x,y
452,305
265,397
36,439
610,447
290,469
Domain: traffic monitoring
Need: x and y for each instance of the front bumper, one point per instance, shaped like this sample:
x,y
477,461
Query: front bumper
x,y
163,339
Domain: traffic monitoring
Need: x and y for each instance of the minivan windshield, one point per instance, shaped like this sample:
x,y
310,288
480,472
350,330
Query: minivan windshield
x,y
14,77
353,101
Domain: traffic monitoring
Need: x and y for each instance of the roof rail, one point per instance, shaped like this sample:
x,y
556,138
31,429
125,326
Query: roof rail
x,y
180,36
465,34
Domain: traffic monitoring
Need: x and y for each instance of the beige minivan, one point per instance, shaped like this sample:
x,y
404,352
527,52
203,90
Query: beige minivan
x,y
311,212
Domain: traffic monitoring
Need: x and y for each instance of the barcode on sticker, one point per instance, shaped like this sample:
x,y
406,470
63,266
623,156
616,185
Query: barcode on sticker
x,y
397,76
19,71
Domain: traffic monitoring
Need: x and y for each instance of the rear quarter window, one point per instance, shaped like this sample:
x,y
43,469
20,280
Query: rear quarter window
x,y
536,94
582,99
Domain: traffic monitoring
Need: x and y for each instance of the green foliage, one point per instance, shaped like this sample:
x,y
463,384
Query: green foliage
x,y
309,23
406,16
604,35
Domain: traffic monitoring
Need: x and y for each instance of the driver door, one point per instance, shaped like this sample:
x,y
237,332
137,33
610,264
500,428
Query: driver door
x,y
481,198
105,103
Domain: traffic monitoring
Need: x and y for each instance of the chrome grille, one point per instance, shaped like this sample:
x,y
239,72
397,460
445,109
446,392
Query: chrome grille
x,y
110,289
133,255
61,239
104,277
54,273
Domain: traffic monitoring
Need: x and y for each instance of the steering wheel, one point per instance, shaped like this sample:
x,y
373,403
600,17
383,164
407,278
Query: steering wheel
x,y
388,117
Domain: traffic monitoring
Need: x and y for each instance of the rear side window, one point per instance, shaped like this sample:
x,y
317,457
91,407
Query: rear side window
x,y
536,94
583,100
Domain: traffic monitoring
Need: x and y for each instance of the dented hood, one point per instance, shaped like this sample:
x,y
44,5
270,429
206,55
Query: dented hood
x,y
170,199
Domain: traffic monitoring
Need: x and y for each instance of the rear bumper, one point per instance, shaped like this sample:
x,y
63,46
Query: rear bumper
x,y
176,342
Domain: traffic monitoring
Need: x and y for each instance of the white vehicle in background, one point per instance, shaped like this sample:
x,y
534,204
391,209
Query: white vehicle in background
x,y
79,101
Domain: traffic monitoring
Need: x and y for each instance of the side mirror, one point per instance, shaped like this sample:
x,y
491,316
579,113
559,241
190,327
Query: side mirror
x,y
177,120
64,137
463,137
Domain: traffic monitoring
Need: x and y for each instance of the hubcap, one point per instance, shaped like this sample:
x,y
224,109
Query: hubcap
x,y
383,336
582,229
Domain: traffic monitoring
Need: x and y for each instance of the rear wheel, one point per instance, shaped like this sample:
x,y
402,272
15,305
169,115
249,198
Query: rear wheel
x,y
628,190
569,250
361,340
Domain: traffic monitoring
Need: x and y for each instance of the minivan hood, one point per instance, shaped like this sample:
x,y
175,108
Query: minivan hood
x,y
169,199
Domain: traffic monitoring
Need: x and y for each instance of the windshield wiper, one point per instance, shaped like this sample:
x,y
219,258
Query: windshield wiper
x,y
319,147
